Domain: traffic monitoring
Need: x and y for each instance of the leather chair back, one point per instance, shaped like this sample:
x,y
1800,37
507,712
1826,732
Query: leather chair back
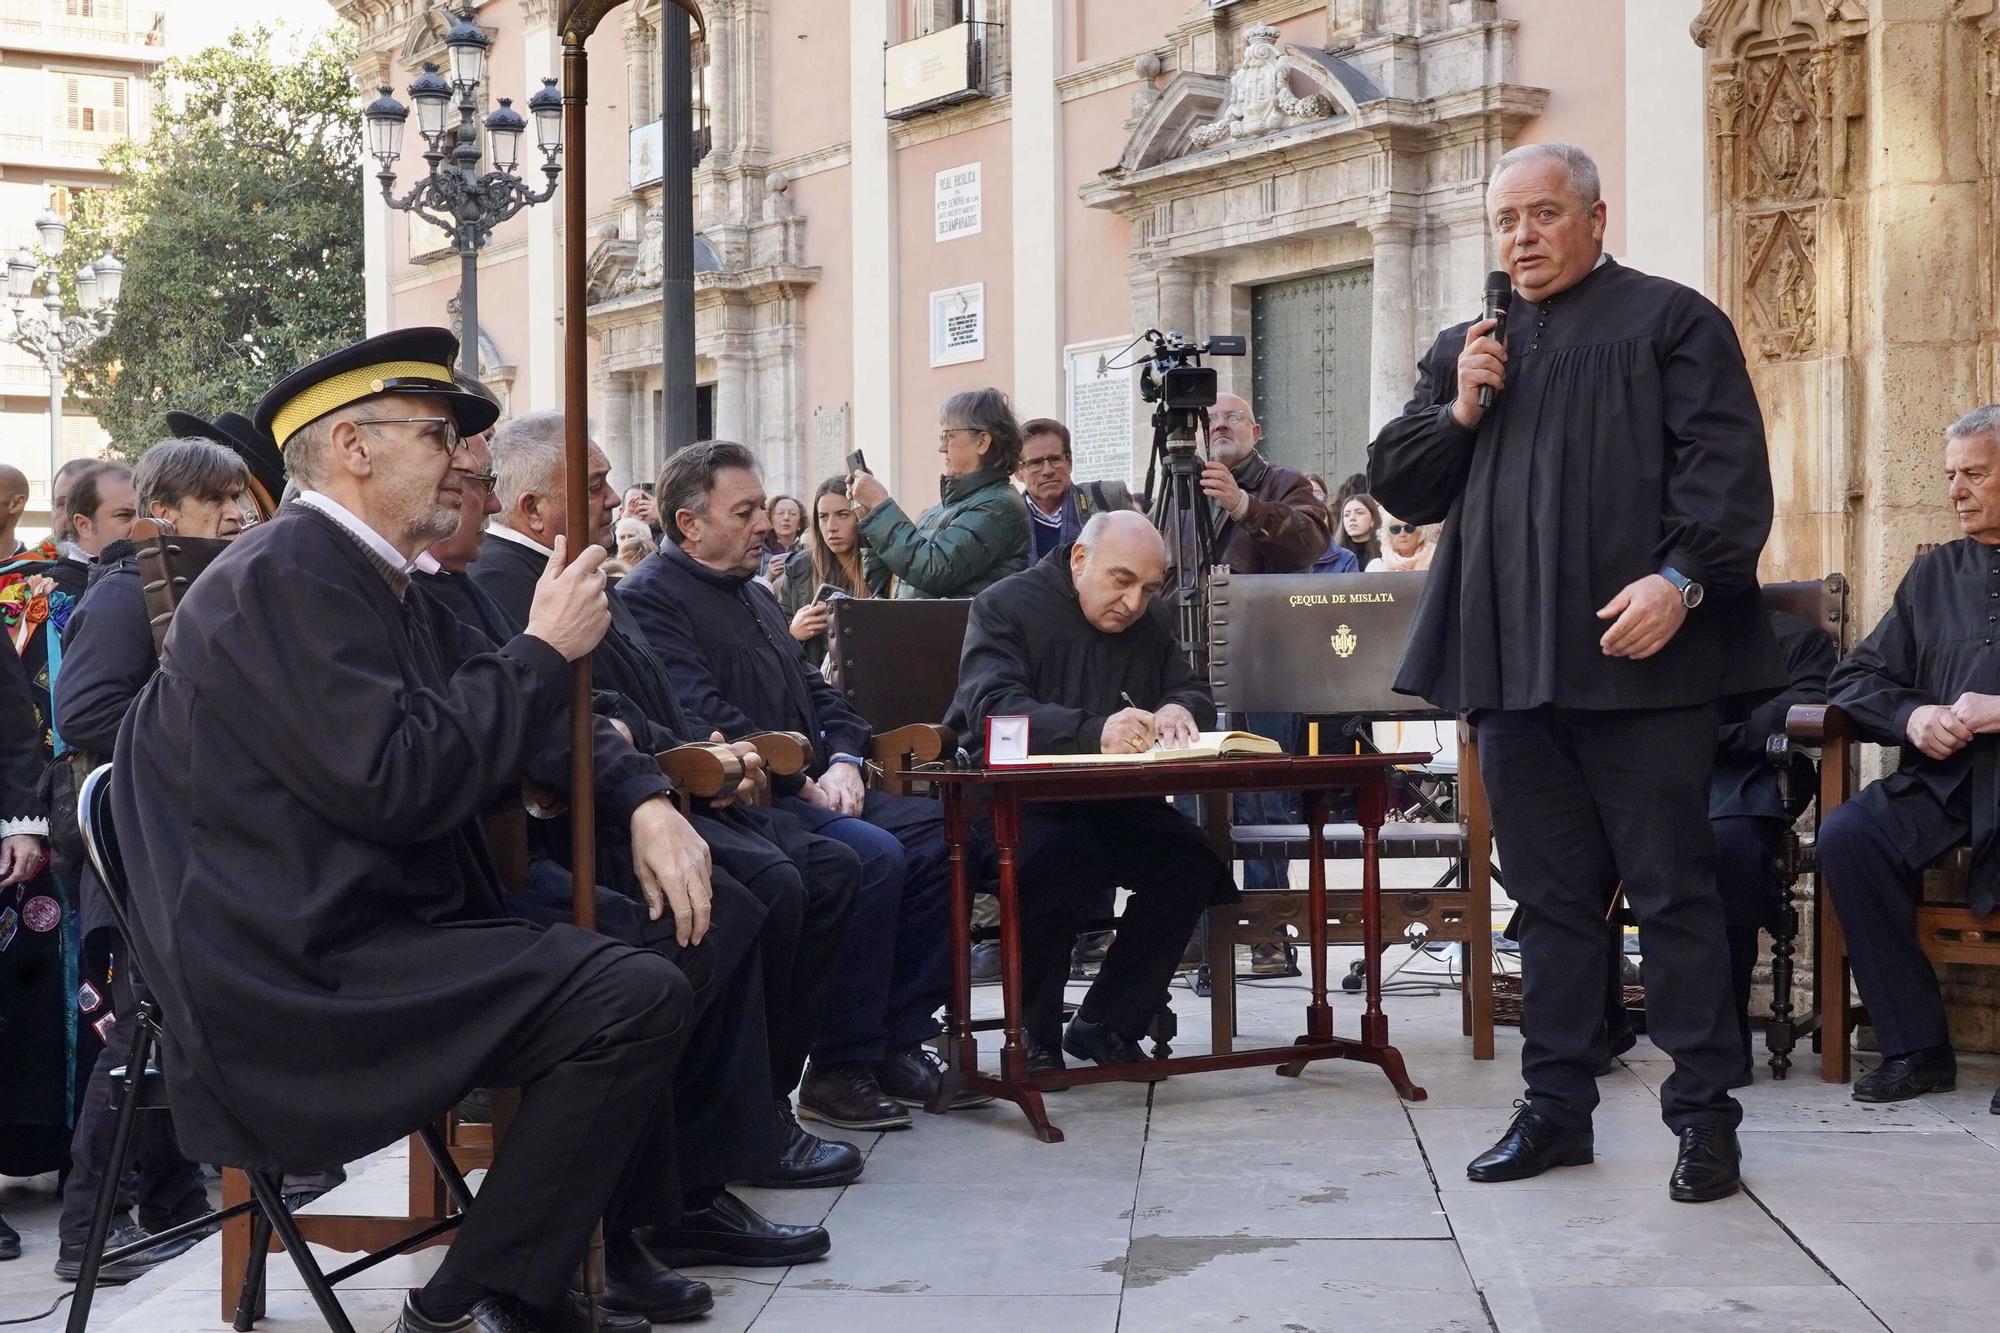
x,y
896,659
1312,643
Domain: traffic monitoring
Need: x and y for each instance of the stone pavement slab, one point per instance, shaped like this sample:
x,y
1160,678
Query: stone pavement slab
x,y
1643,1309
1234,1282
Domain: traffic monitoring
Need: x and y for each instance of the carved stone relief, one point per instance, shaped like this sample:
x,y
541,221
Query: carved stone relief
x,y
1261,100
1780,288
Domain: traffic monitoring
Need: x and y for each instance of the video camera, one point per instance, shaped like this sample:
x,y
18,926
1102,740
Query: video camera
x,y
1173,375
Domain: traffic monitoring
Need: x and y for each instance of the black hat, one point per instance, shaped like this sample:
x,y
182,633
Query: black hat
x,y
234,432
416,361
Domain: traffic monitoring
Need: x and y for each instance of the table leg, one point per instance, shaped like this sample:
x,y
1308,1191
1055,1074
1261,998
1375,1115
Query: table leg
x,y
1319,1014
1374,1023
1014,1049
960,1044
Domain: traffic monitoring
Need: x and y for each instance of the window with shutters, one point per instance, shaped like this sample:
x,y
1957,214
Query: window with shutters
x,y
94,106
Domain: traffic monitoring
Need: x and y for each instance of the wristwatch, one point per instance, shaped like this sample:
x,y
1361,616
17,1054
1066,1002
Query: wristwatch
x,y
1690,591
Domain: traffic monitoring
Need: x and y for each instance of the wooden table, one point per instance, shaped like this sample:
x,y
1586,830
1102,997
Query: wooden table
x,y
1316,778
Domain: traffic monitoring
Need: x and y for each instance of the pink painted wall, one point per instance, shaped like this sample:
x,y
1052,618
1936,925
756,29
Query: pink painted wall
x,y
1100,30
929,266
1576,50
1096,300
808,68
823,199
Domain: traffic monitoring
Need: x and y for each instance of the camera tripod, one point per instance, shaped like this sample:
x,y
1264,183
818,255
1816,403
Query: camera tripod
x,y
1186,520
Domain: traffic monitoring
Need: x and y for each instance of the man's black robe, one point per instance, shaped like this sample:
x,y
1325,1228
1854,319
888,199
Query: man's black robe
x,y
1628,438
1935,643
295,796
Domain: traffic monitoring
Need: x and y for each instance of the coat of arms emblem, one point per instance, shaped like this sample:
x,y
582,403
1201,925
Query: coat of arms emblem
x,y
1343,642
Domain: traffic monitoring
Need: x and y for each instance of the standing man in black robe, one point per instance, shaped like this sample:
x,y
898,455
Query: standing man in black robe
x,y
1594,597
319,901
1926,679
1080,645
806,882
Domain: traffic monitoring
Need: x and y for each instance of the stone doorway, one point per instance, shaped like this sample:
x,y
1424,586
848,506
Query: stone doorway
x,y
1309,349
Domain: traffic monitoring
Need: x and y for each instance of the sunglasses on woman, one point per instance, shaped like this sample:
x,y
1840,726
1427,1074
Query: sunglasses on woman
x,y
1395,528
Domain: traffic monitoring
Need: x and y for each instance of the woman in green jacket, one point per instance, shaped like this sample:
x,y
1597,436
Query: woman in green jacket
x,y
978,534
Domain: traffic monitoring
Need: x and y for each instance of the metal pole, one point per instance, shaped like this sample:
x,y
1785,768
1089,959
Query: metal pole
x,y
677,424
55,433
468,308
576,459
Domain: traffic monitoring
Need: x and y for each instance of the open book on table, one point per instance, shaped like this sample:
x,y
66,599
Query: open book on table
x,y
1208,745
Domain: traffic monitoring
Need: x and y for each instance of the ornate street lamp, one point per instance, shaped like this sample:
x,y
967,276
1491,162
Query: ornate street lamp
x,y
463,201
54,338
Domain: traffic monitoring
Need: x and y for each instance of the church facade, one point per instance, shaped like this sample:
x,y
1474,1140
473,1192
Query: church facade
x,y
899,199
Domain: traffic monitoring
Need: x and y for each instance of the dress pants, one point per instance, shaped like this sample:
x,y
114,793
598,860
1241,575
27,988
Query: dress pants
x,y
1583,800
1745,848
894,966
1070,856
1874,889
170,1188
595,1069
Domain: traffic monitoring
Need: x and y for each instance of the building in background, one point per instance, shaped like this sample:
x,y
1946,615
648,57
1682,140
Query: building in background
x,y
899,199
75,79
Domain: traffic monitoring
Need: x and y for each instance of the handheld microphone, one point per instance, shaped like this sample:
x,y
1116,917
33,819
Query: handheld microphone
x,y
1499,291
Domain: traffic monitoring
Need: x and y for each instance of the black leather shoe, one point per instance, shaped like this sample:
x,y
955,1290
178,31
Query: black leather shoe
x,y
847,1096
1934,1069
910,1077
1710,1165
986,960
69,1258
1531,1145
495,1314
634,1280
1099,1044
806,1161
730,1231
10,1239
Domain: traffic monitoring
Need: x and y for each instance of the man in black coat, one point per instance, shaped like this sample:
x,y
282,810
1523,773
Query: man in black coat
x,y
1926,679
318,901
807,883
728,648
1080,646
1593,599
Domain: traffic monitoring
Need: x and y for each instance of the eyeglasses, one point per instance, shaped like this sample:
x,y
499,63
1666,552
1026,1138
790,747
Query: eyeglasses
x,y
1035,464
944,436
442,435
483,480
1396,528
1230,418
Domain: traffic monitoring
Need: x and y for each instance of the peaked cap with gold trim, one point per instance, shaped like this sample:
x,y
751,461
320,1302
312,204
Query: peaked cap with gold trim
x,y
413,361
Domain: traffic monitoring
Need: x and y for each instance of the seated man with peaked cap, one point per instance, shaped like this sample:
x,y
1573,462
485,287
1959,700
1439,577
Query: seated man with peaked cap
x,y
1924,679
1081,646
296,794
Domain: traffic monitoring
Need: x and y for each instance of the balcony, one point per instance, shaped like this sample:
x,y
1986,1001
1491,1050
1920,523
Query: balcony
x,y
44,27
934,70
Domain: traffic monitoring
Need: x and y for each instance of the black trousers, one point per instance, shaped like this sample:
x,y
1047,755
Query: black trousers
x,y
1069,858
808,907
724,1128
1583,800
1745,849
594,1069
169,1188
1874,889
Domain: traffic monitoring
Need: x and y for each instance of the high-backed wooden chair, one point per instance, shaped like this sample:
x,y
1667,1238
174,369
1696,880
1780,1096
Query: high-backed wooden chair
x,y
896,664
1947,927
1330,644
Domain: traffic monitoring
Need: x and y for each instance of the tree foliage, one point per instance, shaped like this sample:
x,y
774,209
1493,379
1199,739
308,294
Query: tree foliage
x,y
238,219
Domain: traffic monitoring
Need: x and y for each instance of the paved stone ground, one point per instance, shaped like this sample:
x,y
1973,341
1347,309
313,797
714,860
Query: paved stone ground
x,y
1242,1200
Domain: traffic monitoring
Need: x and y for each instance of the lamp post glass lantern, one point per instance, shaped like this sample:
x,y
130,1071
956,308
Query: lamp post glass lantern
x,y
455,194
43,328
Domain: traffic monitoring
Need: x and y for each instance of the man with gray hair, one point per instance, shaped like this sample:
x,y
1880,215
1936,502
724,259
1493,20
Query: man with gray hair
x,y
1599,465
1923,680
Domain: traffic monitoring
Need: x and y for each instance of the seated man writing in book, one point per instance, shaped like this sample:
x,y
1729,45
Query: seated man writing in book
x,y
1080,645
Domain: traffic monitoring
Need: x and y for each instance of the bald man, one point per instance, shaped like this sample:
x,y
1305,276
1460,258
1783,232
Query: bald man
x,y
13,499
1081,646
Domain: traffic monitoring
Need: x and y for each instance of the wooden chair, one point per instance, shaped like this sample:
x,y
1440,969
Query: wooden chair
x,y
896,664
1330,644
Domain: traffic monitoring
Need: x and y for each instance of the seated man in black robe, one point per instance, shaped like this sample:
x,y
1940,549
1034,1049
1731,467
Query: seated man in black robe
x,y
1926,679
729,651
807,883
1080,645
296,794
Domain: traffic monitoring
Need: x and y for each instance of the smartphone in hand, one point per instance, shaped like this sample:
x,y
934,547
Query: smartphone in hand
x,y
856,463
